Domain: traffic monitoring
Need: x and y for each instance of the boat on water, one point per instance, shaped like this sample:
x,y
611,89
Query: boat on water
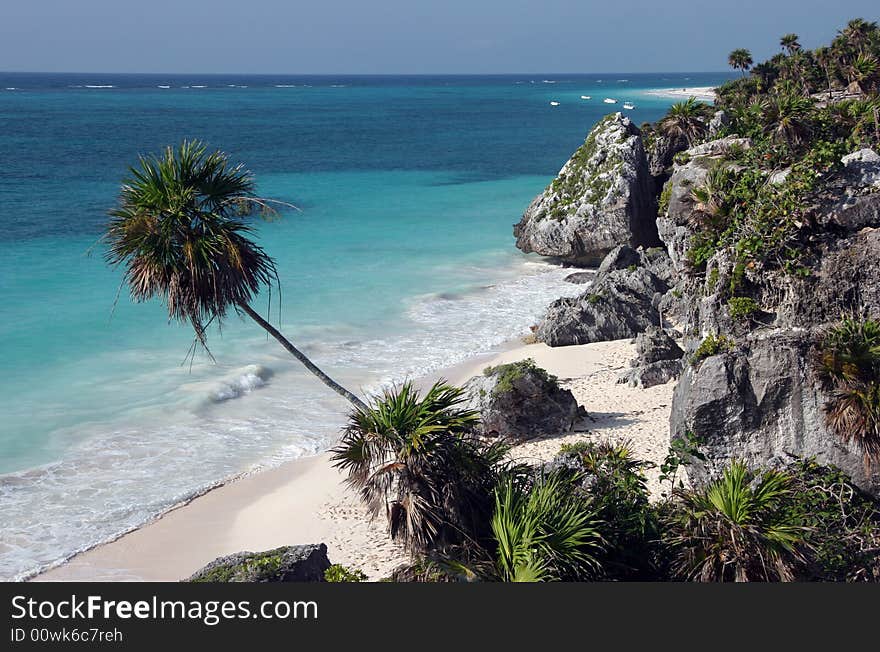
x,y
608,100
629,105
585,97
554,103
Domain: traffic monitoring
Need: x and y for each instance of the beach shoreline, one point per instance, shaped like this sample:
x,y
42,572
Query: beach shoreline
x,y
306,501
705,93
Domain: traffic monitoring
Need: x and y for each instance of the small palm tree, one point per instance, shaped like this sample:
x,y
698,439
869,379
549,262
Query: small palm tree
x,y
790,44
740,59
685,120
545,533
786,116
848,362
416,459
766,73
863,73
735,529
178,230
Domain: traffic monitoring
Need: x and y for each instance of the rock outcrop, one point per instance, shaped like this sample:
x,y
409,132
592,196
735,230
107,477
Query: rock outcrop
x,y
620,303
761,403
521,401
602,197
761,400
658,360
305,563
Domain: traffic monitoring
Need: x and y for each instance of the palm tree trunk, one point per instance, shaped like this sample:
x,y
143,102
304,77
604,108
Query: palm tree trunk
x,y
299,355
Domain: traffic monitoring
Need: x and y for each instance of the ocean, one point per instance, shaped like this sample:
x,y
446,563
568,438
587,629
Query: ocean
x,y
399,263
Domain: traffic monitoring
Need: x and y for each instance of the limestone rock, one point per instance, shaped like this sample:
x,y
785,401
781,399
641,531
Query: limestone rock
x,y
305,563
602,197
521,401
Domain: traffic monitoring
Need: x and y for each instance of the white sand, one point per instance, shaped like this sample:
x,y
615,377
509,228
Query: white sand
x,y
305,501
706,93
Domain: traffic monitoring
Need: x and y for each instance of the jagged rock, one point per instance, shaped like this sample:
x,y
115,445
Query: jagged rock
x,y
654,345
779,177
521,401
657,261
719,147
305,563
853,198
621,257
661,151
656,373
580,278
657,361
718,121
620,304
760,402
602,197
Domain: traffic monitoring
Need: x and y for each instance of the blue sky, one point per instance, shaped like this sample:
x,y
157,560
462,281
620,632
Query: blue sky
x,y
405,36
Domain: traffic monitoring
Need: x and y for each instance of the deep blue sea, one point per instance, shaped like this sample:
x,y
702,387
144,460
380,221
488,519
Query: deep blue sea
x,y
400,262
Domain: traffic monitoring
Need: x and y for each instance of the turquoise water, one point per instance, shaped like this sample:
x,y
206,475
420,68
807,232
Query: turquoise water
x,y
401,262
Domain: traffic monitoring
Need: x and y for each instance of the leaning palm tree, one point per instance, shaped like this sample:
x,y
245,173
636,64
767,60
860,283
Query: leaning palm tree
x,y
740,59
685,120
790,44
179,232
735,529
416,459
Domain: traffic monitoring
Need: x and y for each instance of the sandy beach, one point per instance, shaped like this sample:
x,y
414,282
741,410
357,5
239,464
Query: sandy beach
x,y
306,501
706,93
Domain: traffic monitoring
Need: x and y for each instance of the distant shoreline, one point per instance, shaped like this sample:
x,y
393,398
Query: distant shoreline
x,y
706,93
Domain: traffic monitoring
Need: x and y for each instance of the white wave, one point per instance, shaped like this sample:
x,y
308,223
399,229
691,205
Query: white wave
x,y
244,382
548,81
200,86
12,88
99,86
124,472
162,86
285,85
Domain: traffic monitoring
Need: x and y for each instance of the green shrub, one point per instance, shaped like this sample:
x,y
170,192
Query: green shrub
x,y
711,345
615,482
593,299
339,573
737,528
843,523
511,372
742,308
848,363
681,158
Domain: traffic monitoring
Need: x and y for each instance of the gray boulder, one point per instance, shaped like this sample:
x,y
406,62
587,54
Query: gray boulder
x,y
761,402
521,401
658,360
719,120
621,257
580,278
619,304
602,197
305,563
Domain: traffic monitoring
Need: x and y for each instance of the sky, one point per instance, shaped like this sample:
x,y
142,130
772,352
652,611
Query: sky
x,y
406,36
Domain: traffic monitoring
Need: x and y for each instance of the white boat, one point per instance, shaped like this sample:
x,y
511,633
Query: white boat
x,y
629,105
585,97
608,100
554,103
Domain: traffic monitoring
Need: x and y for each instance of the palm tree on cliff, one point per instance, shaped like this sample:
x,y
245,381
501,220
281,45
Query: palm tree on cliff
x,y
685,120
790,44
179,232
858,32
740,59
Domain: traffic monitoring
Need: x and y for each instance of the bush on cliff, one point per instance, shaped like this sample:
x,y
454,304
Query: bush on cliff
x,y
848,363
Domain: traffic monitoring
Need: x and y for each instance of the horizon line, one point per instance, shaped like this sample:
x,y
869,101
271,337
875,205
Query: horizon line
x,y
370,74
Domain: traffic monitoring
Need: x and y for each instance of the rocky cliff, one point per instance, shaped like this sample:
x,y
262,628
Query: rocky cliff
x,y
602,197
